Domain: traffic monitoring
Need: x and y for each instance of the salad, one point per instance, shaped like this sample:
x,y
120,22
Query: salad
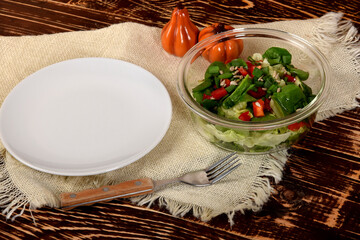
x,y
262,88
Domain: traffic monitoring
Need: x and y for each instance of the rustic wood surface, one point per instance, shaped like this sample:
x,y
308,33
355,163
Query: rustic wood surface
x,y
319,196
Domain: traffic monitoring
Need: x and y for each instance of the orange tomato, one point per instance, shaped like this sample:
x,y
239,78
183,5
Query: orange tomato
x,y
223,51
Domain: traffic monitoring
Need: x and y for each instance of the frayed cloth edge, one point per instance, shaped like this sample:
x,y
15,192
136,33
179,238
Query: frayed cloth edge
x,y
331,29
12,200
257,196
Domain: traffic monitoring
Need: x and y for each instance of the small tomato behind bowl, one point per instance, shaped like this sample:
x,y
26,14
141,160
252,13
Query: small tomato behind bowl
x,y
224,50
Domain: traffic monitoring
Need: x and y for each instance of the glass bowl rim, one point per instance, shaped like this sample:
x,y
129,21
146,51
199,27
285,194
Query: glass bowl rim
x,y
307,111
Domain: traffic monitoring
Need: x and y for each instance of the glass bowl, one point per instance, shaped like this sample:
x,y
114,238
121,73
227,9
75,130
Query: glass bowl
x,y
254,137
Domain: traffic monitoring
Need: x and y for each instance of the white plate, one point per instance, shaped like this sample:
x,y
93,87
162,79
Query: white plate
x,y
85,116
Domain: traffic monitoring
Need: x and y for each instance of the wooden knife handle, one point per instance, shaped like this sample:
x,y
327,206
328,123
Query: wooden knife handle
x,y
106,193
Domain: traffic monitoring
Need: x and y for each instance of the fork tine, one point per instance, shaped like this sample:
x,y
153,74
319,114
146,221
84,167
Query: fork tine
x,y
225,163
216,172
219,162
224,174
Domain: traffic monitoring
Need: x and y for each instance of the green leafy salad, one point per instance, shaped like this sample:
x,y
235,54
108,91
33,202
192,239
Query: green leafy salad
x,y
265,87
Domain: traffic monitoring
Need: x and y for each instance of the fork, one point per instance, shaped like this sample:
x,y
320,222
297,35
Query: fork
x,y
132,188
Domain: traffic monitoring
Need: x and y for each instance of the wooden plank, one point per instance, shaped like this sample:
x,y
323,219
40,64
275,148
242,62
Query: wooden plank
x,y
39,17
24,17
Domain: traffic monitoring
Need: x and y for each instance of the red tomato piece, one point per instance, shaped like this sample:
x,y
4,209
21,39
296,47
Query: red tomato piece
x,y
243,71
258,108
219,93
227,82
290,78
258,94
267,105
245,116
206,96
296,126
250,68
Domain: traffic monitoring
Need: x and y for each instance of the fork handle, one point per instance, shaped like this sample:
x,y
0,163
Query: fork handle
x,y
106,193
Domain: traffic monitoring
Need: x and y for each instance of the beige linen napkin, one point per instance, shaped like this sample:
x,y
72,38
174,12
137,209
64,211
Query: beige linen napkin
x,y
182,149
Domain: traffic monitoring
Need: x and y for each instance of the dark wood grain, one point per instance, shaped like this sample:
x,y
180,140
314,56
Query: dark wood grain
x,y
319,196
31,17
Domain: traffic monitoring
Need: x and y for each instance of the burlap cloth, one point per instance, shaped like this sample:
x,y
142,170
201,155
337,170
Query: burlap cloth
x,y
182,149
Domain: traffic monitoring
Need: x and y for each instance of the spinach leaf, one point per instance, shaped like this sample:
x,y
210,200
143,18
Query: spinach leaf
x,y
290,98
276,55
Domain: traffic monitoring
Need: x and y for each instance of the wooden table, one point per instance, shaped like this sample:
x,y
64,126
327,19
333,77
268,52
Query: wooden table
x,y
319,196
